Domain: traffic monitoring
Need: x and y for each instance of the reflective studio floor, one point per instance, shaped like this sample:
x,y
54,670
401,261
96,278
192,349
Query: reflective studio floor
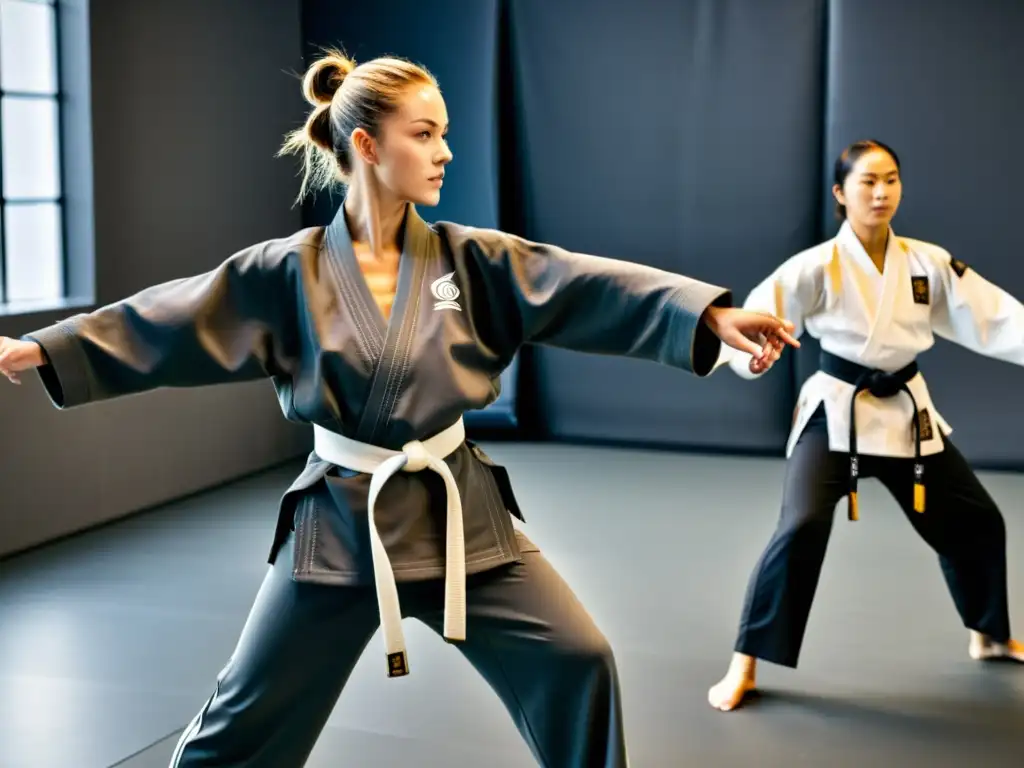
x,y
111,640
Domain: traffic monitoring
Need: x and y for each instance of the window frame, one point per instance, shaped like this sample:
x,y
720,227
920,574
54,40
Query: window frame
x,y
72,96
56,98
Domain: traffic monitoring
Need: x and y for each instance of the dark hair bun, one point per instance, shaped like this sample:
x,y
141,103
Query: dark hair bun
x,y
325,76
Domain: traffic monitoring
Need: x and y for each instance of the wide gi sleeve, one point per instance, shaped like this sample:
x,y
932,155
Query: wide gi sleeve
x,y
219,327
543,294
793,291
969,310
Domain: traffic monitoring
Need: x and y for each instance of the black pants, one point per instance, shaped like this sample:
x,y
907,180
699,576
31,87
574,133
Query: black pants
x,y
961,523
527,634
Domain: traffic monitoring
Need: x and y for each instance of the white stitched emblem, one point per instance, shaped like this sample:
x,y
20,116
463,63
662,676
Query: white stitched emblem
x,y
446,292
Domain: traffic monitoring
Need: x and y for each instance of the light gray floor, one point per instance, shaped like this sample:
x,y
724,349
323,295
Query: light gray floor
x,y
110,641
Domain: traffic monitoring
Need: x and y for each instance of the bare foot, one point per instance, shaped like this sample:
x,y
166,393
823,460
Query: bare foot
x,y
737,683
983,648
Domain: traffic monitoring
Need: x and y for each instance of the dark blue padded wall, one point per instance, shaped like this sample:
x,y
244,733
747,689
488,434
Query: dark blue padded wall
x,y
457,41
940,83
682,135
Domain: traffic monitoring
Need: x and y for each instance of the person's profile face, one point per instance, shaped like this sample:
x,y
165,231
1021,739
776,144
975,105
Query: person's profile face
x,y
413,150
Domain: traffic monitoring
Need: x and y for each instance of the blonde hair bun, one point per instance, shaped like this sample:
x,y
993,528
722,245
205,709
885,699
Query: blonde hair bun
x,y
325,76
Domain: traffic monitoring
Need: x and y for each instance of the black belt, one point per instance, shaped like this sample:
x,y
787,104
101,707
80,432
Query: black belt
x,y
880,384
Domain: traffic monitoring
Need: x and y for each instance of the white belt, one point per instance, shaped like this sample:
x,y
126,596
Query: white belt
x,y
382,463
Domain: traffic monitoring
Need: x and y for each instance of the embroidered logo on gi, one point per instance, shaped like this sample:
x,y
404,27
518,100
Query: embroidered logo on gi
x,y
924,424
446,292
958,266
920,285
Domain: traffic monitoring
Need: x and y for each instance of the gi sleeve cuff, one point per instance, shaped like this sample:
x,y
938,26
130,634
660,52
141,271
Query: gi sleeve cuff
x,y
704,347
65,371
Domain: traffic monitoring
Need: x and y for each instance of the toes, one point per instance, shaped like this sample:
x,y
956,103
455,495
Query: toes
x,y
725,698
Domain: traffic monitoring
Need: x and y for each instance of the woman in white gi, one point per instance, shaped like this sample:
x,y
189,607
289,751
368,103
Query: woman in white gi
x,y
874,301
381,331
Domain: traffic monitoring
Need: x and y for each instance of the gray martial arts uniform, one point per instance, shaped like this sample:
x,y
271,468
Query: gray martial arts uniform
x,y
298,311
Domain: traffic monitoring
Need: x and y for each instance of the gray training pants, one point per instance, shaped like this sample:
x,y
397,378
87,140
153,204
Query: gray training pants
x,y
527,634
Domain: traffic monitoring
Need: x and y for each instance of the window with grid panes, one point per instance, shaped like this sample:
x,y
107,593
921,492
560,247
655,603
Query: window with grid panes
x,y
31,210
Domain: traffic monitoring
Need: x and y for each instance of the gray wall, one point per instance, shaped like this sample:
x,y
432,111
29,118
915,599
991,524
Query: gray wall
x,y
190,99
668,134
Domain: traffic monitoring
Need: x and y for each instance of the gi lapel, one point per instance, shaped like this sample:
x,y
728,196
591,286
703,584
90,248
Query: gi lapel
x,y
877,291
419,246
356,299
893,276
380,339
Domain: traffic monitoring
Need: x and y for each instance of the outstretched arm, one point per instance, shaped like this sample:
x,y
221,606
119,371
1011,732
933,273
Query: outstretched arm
x,y
975,313
548,295
223,326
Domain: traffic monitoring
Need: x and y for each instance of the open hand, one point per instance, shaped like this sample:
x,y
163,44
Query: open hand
x,y
17,356
763,335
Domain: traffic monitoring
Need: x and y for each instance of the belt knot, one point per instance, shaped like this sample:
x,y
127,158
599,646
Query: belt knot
x,y
417,456
883,385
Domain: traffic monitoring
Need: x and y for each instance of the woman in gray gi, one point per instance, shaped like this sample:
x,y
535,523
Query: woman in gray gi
x,y
381,331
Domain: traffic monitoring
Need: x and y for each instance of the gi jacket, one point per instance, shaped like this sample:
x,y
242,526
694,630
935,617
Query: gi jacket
x,y
883,320
298,311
